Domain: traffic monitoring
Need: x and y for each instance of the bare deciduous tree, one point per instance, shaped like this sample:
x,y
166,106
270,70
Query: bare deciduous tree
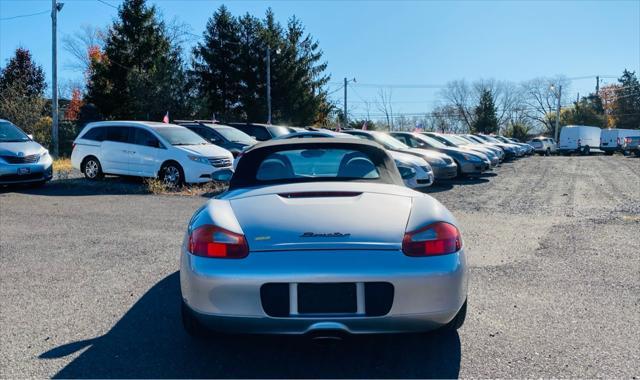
x,y
539,99
79,45
385,106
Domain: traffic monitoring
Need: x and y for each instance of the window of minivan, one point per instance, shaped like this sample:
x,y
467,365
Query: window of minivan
x,y
144,138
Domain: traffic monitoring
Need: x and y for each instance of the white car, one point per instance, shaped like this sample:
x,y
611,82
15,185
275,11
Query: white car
x,y
147,149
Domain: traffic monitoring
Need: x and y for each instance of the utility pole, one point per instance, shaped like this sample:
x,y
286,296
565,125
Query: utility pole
x,y
344,116
598,85
55,8
268,85
558,112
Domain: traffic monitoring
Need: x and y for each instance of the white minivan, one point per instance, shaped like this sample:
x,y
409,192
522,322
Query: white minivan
x,y
611,140
147,149
579,139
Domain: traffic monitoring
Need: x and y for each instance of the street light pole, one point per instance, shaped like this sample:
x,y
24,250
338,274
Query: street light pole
x,y
558,95
55,8
344,116
268,85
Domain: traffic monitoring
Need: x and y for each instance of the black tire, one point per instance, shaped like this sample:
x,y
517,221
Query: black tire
x,y
585,151
92,169
547,152
171,174
458,320
191,324
608,153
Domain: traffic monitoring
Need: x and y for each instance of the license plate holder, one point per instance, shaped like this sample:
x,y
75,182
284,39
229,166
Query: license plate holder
x,y
327,298
24,171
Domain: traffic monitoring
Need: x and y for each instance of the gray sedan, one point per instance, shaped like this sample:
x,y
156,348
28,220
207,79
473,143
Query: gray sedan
x,y
22,160
469,163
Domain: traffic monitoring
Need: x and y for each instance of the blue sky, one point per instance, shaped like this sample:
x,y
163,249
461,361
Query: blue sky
x,y
426,42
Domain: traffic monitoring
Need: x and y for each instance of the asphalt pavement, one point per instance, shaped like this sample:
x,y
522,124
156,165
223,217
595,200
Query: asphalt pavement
x,y
89,285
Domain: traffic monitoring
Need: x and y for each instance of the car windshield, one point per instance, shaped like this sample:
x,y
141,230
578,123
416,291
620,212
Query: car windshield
x,y
458,140
180,136
476,139
317,163
431,141
278,131
11,133
388,141
490,139
235,135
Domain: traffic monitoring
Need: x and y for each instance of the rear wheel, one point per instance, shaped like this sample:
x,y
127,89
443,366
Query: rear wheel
x,y
92,169
586,151
547,152
458,320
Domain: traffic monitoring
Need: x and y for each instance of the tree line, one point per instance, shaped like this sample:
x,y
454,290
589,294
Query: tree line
x,y
139,71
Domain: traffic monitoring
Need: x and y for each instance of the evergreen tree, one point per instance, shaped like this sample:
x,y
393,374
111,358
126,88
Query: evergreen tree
x,y
627,102
229,70
486,120
22,70
22,88
141,75
216,65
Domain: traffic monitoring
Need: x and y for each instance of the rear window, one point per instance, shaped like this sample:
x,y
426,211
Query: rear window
x,y
95,134
317,163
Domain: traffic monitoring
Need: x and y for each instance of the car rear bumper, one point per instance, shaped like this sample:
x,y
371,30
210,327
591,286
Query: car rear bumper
x,y
226,294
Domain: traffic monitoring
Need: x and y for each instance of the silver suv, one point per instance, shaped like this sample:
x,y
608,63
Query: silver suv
x,y
543,145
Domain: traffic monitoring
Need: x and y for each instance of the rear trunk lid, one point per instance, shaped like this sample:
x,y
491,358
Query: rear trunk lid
x,y
295,219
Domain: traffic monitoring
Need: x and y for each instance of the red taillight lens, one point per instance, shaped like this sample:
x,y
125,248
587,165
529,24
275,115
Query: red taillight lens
x,y
213,241
433,240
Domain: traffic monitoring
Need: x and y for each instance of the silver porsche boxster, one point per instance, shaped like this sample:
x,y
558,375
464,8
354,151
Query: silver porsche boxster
x,y
319,236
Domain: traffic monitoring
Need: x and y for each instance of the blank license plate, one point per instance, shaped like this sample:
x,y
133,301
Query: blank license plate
x,y
23,171
332,298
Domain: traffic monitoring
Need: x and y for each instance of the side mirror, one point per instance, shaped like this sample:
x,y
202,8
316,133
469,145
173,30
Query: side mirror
x,y
30,136
223,175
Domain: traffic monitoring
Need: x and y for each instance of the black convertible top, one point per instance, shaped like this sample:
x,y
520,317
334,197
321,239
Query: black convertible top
x,y
245,174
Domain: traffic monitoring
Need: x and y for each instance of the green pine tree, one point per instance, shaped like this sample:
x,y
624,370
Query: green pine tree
x,y
627,102
21,69
216,65
485,120
142,75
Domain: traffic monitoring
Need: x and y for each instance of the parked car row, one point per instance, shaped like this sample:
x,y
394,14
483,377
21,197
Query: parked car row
x,y
192,151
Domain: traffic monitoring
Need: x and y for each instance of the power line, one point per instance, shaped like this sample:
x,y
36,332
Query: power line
x,y
107,4
27,15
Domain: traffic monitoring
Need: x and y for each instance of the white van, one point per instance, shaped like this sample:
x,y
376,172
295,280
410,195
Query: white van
x,y
579,138
611,140
147,149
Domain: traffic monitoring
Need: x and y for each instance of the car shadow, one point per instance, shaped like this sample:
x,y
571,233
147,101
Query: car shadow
x,y
110,185
149,342
448,184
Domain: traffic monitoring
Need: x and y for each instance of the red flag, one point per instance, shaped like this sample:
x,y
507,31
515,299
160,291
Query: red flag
x,y
165,119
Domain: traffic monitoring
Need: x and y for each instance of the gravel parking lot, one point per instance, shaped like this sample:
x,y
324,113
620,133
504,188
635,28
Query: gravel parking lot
x,y
89,285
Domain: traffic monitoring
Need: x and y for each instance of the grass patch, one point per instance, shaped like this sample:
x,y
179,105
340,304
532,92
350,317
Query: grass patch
x,y
156,186
62,168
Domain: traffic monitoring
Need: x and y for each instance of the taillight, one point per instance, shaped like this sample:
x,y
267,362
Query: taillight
x,y
433,240
216,242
